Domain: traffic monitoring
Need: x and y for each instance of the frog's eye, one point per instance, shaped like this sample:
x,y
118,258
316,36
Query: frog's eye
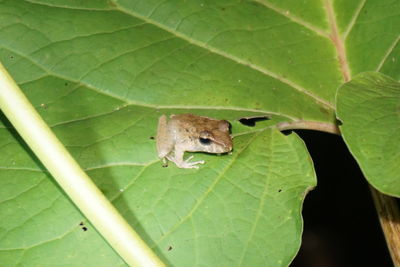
x,y
205,141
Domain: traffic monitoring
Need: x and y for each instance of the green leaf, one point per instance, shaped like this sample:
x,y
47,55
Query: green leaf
x,y
101,72
369,108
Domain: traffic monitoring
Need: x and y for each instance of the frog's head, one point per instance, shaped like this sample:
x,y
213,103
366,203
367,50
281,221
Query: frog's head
x,y
216,139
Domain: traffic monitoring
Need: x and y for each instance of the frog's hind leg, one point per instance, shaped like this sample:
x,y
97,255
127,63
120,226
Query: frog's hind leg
x,y
165,143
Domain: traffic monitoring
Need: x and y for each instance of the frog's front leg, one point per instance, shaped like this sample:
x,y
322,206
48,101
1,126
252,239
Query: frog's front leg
x,y
181,163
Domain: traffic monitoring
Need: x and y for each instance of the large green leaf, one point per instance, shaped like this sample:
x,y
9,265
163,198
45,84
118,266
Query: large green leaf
x,y
102,72
369,107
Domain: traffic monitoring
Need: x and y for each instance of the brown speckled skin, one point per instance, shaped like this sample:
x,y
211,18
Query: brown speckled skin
x,y
185,132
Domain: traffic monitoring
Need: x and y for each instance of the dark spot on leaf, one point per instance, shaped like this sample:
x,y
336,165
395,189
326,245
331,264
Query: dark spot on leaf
x,y
251,121
165,165
280,190
339,122
223,8
11,57
169,248
112,4
152,137
84,228
66,84
324,110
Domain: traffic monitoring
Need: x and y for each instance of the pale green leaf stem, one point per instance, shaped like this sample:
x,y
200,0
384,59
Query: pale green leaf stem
x,y
69,175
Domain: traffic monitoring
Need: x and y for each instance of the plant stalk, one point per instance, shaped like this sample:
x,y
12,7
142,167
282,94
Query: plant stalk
x,y
70,176
389,217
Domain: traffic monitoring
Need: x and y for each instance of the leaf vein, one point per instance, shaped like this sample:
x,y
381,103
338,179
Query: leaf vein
x,y
231,57
125,53
207,192
387,53
354,19
293,18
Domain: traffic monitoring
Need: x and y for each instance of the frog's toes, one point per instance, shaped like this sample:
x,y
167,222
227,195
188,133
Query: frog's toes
x,y
187,161
191,165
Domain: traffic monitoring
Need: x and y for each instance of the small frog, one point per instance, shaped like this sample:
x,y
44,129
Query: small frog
x,y
192,133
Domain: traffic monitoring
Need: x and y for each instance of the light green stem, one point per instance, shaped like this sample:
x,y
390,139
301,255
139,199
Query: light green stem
x,y
72,179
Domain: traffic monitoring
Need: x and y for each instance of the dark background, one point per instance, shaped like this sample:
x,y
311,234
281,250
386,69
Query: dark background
x,y
341,226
